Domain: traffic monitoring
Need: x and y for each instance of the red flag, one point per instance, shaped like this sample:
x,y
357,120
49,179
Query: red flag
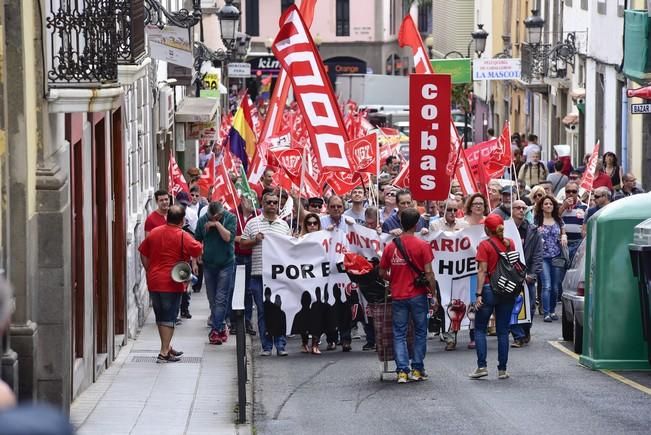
x,y
590,169
464,175
207,178
501,155
362,154
402,179
409,35
311,188
343,182
281,179
224,190
484,177
290,160
295,50
176,181
272,122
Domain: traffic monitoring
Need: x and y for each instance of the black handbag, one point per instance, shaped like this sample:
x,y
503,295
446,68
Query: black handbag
x,y
562,260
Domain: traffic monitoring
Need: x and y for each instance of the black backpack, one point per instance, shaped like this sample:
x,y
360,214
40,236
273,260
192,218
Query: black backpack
x,y
508,277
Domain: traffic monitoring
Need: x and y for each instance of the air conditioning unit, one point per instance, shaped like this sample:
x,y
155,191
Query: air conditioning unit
x,y
166,107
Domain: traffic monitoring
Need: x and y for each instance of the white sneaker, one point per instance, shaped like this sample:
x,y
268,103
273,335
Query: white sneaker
x,y
265,353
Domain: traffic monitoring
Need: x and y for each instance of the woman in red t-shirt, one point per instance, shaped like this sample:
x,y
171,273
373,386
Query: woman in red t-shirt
x,y
487,301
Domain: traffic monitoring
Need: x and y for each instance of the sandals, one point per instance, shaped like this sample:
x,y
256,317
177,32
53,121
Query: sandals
x,y
305,349
316,350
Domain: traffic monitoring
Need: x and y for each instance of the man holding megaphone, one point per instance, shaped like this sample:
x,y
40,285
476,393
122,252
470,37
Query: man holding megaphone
x,y
165,254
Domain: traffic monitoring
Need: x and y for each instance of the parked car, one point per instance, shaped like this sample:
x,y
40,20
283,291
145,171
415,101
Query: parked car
x,y
572,299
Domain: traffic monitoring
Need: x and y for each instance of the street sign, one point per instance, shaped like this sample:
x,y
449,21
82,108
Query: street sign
x,y
459,69
496,69
239,70
637,109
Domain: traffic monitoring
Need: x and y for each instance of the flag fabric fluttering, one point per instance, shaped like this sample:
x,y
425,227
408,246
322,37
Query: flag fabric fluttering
x,y
242,136
207,178
244,189
177,181
409,35
591,168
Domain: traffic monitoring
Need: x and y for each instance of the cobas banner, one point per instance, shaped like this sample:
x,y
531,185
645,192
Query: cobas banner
x,y
313,265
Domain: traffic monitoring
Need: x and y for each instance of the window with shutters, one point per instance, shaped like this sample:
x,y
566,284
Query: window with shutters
x,y
343,17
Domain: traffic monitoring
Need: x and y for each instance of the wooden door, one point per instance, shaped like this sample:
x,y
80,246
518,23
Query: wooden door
x,y
119,226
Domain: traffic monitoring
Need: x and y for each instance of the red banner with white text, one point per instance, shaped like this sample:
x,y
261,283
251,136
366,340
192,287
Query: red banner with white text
x,y
590,170
295,50
409,35
429,135
362,153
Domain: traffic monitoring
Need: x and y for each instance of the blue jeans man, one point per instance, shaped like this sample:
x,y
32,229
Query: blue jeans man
x,y
267,341
218,290
502,319
417,307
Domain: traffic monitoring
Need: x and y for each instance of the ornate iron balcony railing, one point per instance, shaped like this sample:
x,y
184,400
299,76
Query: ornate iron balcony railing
x,y
131,30
535,61
83,42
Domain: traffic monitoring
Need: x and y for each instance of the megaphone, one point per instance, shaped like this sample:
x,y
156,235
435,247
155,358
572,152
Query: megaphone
x,y
181,272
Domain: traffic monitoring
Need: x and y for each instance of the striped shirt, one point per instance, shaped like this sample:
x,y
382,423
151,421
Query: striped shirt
x,y
260,224
573,220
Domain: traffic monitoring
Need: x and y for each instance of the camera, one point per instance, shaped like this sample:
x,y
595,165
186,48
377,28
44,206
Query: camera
x,y
421,280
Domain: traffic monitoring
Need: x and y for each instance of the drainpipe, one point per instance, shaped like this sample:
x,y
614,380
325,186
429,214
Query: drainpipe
x,y
624,127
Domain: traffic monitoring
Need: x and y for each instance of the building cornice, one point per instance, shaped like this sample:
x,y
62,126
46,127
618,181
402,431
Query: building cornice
x,y
71,100
128,74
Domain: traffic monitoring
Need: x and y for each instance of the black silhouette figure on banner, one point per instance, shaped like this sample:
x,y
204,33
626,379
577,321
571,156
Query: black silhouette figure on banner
x,y
344,318
318,313
331,322
282,317
301,323
273,315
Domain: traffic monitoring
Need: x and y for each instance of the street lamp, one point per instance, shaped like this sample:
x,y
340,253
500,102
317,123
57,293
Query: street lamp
x,y
229,20
534,24
479,36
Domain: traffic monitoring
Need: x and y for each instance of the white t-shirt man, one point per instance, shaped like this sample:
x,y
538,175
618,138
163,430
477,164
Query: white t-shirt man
x,y
529,150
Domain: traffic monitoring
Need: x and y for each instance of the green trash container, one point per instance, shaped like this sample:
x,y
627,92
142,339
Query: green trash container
x,y
612,325
640,251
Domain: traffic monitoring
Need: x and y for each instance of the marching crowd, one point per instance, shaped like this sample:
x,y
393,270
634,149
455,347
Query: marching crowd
x,y
544,200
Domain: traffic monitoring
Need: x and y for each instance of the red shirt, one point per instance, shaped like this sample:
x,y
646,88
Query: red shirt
x,y
487,254
163,249
402,276
154,220
602,180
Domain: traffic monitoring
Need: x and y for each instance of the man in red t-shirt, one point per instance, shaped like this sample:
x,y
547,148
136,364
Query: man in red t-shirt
x,y
408,298
158,217
165,246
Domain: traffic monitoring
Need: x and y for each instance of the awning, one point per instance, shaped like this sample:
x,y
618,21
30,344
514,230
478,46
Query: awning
x,y
577,93
197,109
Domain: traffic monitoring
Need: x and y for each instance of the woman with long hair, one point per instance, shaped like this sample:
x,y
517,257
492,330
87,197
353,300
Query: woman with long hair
x,y
611,167
550,226
488,253
311,223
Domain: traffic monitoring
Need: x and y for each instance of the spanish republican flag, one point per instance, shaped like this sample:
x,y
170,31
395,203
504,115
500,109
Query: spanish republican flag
x,y
241,136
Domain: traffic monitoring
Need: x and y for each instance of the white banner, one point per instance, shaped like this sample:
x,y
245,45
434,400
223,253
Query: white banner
x,y
314,264
496,69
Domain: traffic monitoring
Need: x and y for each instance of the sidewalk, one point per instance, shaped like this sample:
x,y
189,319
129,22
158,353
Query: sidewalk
x,y
137,396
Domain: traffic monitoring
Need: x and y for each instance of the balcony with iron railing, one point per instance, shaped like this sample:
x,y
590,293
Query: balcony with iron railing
x,y
87,39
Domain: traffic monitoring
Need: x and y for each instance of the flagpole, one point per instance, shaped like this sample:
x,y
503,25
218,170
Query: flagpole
x,y
377,174
517,186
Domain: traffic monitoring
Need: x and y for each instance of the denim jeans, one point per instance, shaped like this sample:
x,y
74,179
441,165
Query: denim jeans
x,y
418,307
502,319
520,331
248,294
218,289
550,278
267,341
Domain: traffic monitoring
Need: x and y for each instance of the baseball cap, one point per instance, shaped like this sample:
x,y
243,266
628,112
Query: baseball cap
x,y
492,221
316,201
508,189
